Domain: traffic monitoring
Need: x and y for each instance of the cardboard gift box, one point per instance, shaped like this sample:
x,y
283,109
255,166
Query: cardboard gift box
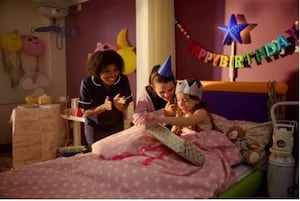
x,y
179,145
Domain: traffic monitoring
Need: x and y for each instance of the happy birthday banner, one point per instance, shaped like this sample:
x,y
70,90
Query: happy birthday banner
x,y
281,46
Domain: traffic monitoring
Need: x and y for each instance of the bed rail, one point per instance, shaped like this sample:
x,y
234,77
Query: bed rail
x,y
247,87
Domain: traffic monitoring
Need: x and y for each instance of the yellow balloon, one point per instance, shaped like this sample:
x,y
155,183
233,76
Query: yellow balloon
x,y
2,40
129,58
11,42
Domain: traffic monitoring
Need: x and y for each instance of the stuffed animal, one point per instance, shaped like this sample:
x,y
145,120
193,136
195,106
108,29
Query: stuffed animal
x,y
248,148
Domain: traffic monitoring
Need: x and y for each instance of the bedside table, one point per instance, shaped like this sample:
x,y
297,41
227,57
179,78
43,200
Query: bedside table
x,y
76,127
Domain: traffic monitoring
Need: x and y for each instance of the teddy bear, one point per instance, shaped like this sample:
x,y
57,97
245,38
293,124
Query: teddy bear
x,y
248,148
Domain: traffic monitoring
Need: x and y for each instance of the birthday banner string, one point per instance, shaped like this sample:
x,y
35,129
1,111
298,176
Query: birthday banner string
x,y
281,46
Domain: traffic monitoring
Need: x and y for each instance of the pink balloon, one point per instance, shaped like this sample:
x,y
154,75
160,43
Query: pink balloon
x,y
105,46
32,45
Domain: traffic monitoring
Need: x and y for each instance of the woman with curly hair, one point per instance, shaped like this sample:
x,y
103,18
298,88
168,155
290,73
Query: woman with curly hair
x,y
104,95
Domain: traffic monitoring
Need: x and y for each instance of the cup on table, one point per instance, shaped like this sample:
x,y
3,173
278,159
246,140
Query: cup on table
x,y
78,112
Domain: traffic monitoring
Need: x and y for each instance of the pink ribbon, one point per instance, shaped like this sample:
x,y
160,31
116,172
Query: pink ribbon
x,y
142,153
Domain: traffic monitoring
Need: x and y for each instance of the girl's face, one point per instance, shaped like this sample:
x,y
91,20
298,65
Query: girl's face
x,y
164,90
109,75
185,103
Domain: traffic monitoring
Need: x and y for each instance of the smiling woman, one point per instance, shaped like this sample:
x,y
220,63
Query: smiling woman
x,y
104,95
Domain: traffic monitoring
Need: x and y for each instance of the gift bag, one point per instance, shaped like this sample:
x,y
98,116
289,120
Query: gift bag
x,y
181,146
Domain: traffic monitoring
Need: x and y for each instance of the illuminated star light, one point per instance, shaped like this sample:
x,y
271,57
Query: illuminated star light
x,y
232,31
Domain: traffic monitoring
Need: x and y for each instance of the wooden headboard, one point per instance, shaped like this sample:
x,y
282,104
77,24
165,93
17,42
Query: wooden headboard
x,y
242,100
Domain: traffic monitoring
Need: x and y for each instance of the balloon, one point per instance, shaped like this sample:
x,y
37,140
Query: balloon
x,y
32,46
11,42
129,58
105,46
2,40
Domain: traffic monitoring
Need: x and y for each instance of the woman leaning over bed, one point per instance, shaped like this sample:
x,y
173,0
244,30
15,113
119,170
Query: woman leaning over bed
x,y
104,95
158,96
192,111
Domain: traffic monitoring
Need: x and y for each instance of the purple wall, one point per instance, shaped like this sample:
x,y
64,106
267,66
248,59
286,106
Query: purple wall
x,y
101,20
98,21
201,19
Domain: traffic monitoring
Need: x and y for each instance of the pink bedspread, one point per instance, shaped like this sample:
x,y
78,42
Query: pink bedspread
x,y
96,175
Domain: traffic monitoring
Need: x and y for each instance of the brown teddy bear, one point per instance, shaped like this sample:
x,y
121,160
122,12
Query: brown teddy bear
x,y
248,148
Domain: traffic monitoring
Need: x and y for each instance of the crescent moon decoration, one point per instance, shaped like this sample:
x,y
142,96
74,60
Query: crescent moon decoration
x,y
289,42
122,39
126,51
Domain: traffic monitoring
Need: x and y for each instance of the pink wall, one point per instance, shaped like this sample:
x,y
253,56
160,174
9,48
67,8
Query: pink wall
x,y
98,21
101,20
201,21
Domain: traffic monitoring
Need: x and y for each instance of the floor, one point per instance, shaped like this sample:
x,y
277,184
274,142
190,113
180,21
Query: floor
x,y
5,161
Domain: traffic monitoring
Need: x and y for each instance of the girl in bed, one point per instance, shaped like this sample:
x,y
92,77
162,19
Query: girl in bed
x,y
192,111
104,95
158,96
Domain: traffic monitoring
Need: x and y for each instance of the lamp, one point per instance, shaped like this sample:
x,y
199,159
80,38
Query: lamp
x,y
53,12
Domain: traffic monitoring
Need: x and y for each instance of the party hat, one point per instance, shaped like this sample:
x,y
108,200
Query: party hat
x,y
165,69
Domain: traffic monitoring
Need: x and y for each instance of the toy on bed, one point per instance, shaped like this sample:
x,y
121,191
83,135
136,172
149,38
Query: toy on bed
x,y
250,137
249,148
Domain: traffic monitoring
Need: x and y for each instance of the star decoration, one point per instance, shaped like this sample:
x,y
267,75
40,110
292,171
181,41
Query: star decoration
x,y
245,34
232,31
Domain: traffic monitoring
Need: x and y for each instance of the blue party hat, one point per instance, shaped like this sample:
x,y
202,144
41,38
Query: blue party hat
x,y
165,69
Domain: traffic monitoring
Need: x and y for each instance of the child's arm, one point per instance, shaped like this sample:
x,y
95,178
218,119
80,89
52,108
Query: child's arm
x,y
197,117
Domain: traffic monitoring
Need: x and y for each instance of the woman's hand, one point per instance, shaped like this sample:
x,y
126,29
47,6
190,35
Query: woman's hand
x,y
120,102
170,109
106,105
99,109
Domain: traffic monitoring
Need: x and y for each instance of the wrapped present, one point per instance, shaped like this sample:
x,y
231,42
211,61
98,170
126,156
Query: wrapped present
x,y
179,145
